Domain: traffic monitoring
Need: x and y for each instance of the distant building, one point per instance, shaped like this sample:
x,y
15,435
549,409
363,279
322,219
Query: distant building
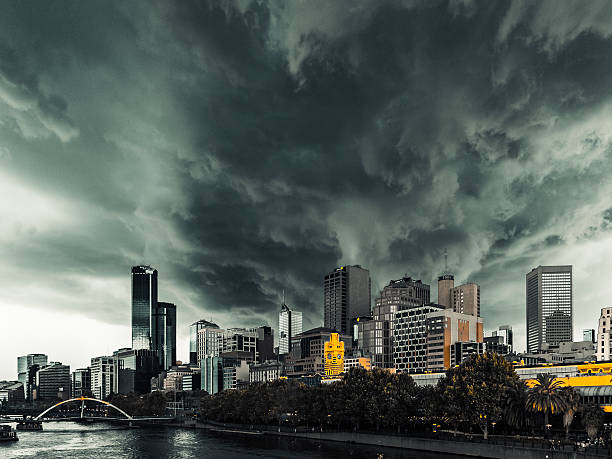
x,y
214,378
375,337
144,307
334,355
265,343
354,362
464,299
11,392
462,350
505,332
239,340
194,328
102,376
51,380
236,376
549,306
289,325
208,341
166,334
563,352
81,383
496,345
307,351
24,363
265,372
604,339
176,377
347,295
589,334
133,369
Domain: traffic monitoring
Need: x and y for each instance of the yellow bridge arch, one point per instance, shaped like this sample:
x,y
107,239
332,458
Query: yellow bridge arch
x,y
82,400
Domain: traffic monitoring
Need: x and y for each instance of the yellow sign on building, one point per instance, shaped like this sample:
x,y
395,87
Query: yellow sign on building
x,y
334,356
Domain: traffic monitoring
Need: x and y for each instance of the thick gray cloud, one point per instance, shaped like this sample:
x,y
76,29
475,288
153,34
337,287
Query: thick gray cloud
x,y
247,148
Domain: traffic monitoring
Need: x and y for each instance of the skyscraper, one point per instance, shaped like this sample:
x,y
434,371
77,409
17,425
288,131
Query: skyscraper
x,y
464,299
347,295
548,298
166,334
194,328
144,305
24,363
289,325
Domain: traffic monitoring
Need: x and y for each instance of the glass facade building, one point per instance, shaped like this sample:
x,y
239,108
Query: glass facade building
x,y
289,325
81,383
549,306
24,363
144,304
165,333
194,328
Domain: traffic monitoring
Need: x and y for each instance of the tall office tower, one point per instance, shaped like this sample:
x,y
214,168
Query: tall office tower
x,y
548,292
265,343
52,380
604,338
289,325
194,328
465,299
404,293
144,307
81,383
446,282
133,370
588,334
208,341
24,363
410,338
347,295
102,377
166,334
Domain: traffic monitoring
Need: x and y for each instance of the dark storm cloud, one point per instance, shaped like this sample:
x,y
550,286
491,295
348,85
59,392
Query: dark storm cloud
x,y
247,148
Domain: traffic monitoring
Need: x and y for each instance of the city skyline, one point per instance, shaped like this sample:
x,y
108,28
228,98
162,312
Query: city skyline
x,y
246,149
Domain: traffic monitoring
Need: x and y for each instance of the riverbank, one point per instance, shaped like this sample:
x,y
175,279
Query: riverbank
x,y
494,448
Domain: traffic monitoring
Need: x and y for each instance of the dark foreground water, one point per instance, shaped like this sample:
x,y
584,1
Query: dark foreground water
x,y
72,440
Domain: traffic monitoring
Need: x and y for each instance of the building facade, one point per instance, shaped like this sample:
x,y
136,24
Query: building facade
x,y
410,338
289,325
144,307
265,372
208,341
307,351
102,376
357,362
165,336
11,392
604,338
334,356
81,383
53,381
133,369
549,305
347,295
194,329
265,343
24,364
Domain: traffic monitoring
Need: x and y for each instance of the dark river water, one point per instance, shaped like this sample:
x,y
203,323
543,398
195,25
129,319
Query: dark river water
x,y
72,440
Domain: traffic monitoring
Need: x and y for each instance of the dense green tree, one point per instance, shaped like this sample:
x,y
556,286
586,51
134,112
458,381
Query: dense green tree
x,y
592,418
571,404
475,391
546,397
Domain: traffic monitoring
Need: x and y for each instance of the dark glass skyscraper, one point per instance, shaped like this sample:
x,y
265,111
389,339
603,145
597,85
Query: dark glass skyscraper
x,y
166,333
144,307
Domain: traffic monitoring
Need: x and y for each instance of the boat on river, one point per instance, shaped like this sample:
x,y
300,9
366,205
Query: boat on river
x,y
7,433
30,424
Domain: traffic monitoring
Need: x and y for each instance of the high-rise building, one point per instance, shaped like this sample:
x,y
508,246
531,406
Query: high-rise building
x,y
238,343
549,306
588,334
604,337
208,341
506,332
24,363
464,298
165,335
194,328
133,369
144,308
289,325
347,295
102,376
53,380
410,338
446,282
81,383
265,343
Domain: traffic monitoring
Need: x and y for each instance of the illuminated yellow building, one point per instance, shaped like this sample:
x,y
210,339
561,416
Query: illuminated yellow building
x,y
352,362
334,356
593,381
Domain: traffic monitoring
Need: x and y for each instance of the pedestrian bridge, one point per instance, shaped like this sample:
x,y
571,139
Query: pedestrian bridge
x,y
42,415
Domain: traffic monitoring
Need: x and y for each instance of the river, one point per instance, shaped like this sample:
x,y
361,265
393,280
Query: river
x,y
72,440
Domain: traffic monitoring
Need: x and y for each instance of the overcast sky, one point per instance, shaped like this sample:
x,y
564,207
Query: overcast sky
x,y
245,148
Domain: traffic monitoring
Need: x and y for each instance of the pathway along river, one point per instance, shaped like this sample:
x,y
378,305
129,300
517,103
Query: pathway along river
x,y
72,440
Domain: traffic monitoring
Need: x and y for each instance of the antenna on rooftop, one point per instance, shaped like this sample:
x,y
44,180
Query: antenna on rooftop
x,y
445,260
283,296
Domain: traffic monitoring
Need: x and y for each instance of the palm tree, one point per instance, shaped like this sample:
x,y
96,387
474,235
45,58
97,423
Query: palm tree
x,y
515,405
545,396
572,404
592,418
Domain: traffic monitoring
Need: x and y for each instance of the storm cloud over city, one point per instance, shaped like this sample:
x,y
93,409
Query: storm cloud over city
x,y
248,148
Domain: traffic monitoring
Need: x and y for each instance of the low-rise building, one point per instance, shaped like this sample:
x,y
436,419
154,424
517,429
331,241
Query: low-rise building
x,y
354,362
265,372
11,392
53,381
236,376
307,351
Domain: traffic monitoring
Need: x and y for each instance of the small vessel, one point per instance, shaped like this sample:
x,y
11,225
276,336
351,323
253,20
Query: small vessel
x,y
29,424
7,433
